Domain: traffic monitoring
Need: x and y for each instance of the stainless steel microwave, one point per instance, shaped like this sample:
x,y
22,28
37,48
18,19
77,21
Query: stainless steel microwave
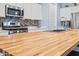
x,y
14,11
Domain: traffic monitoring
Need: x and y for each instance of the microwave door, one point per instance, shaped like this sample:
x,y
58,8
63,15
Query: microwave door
x,y
11,11
14,12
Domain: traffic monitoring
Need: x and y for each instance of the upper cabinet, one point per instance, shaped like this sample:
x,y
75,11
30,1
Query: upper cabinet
x,y
36,11
27,11
32,11
2,10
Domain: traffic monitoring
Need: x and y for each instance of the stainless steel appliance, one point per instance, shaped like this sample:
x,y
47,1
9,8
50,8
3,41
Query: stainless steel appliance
x,y
11,22
14,11
11,25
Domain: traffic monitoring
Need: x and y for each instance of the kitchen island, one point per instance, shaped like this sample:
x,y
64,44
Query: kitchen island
x,y
39,43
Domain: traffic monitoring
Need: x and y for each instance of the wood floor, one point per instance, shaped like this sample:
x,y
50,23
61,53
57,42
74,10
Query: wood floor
x,y
40,43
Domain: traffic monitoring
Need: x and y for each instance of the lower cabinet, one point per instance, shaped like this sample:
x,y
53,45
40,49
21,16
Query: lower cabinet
x,y
36,29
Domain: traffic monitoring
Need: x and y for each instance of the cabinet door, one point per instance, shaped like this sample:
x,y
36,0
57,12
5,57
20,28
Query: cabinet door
x,y
77,20
27,11
52,13
2,9
36,11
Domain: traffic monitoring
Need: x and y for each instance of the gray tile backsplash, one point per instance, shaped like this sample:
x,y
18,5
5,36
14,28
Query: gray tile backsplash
x,y
25,22
29,22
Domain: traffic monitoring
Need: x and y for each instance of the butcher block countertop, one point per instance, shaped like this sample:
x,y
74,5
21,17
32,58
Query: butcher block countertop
x,y
39,43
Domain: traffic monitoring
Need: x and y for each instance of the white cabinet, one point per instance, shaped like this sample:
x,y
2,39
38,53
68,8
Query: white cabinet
x,y
2,9
27,11
36,11
32,11
52,16
32,28
36,29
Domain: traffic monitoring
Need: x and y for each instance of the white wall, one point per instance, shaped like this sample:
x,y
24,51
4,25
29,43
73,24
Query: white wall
x,y
66,12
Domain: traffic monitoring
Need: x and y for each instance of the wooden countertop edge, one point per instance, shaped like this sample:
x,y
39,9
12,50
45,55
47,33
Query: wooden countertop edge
x,y
70,49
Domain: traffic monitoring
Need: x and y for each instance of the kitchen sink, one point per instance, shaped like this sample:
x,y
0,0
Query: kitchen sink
x,y
56,30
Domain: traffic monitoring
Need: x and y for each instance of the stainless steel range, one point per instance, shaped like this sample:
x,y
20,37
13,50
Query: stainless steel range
x,y
13,14
11,22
